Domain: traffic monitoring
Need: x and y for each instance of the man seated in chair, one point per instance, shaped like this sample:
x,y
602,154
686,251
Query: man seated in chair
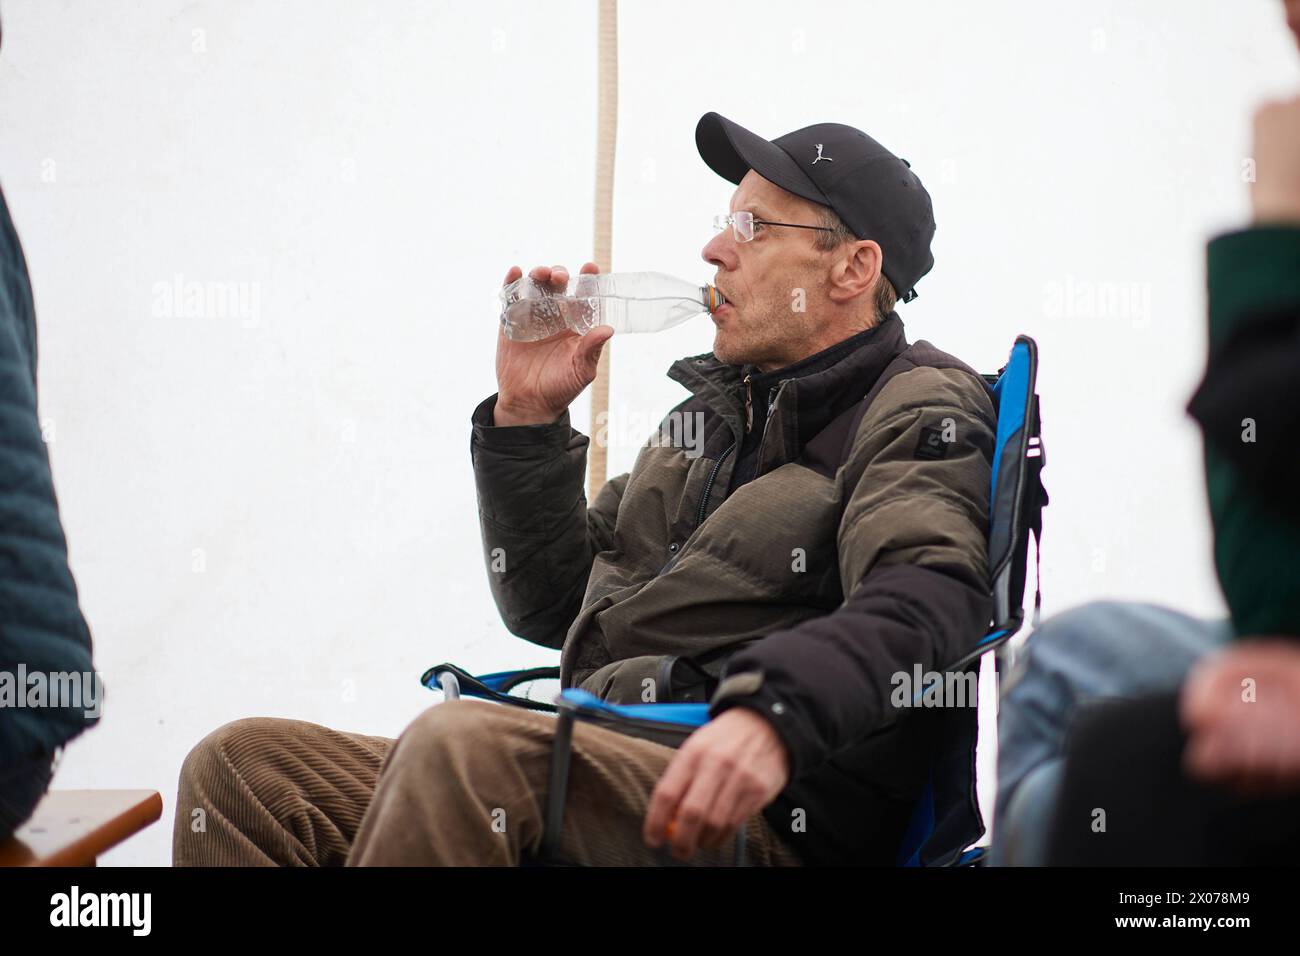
x,y
805,531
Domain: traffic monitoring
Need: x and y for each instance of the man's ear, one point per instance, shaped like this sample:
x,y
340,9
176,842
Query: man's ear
x,y
857,271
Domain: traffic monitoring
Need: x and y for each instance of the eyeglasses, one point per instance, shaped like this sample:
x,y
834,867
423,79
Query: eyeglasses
x,y
742,224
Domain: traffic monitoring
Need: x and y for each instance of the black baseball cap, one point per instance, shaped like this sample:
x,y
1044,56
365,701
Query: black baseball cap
x,y
872,190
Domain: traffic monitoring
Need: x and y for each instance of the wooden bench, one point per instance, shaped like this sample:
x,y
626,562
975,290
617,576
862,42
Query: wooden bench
x,y
73,827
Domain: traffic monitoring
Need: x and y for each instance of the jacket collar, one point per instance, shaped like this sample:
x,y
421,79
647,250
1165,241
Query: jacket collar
x,y
810,391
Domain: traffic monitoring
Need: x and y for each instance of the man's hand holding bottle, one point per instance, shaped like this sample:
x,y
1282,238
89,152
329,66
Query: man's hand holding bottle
x,y
537,381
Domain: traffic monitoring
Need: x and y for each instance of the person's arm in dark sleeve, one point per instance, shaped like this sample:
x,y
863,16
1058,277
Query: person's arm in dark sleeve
x,y
1248,402
539,535
914,566
1248,407
41,626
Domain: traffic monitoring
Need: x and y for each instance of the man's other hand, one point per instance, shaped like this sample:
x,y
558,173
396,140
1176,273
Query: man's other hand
x,y
1241,710
725,772
1275,192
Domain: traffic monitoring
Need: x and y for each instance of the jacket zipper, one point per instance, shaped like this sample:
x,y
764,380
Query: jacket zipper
x,y
708,485
749,406
749,423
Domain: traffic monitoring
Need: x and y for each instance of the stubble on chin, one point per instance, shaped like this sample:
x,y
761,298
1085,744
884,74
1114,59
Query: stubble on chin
x,y
739,347
720,351
727,349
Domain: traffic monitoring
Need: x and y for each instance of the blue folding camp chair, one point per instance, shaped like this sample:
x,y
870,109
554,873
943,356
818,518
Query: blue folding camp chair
x,y
945,821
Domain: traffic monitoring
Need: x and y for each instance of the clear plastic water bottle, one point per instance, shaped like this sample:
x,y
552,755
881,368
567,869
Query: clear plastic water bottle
x,y
626,301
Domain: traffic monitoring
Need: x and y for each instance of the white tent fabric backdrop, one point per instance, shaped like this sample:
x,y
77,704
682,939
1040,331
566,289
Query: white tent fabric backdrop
x,y
265,240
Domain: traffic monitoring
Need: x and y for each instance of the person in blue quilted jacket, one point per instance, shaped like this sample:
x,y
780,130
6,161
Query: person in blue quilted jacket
x,y
49,692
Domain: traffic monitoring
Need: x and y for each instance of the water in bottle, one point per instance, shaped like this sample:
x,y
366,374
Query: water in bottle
x,y
626,301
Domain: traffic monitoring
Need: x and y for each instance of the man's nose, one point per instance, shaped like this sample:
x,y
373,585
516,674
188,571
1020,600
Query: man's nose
x,y
720,251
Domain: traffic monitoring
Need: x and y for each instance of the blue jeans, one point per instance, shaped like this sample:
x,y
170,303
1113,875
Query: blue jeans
x,y
1099,651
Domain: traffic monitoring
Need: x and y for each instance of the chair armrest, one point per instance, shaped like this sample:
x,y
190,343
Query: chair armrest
x,y
73,827
494,687
667,724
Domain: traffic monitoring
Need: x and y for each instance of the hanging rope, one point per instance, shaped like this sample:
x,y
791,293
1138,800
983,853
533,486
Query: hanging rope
x,y
606,129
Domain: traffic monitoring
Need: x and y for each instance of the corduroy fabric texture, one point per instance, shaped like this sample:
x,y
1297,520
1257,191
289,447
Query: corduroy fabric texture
x,y
464,785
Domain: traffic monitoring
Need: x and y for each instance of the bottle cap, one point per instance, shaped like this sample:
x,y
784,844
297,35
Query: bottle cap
x,y
713,298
